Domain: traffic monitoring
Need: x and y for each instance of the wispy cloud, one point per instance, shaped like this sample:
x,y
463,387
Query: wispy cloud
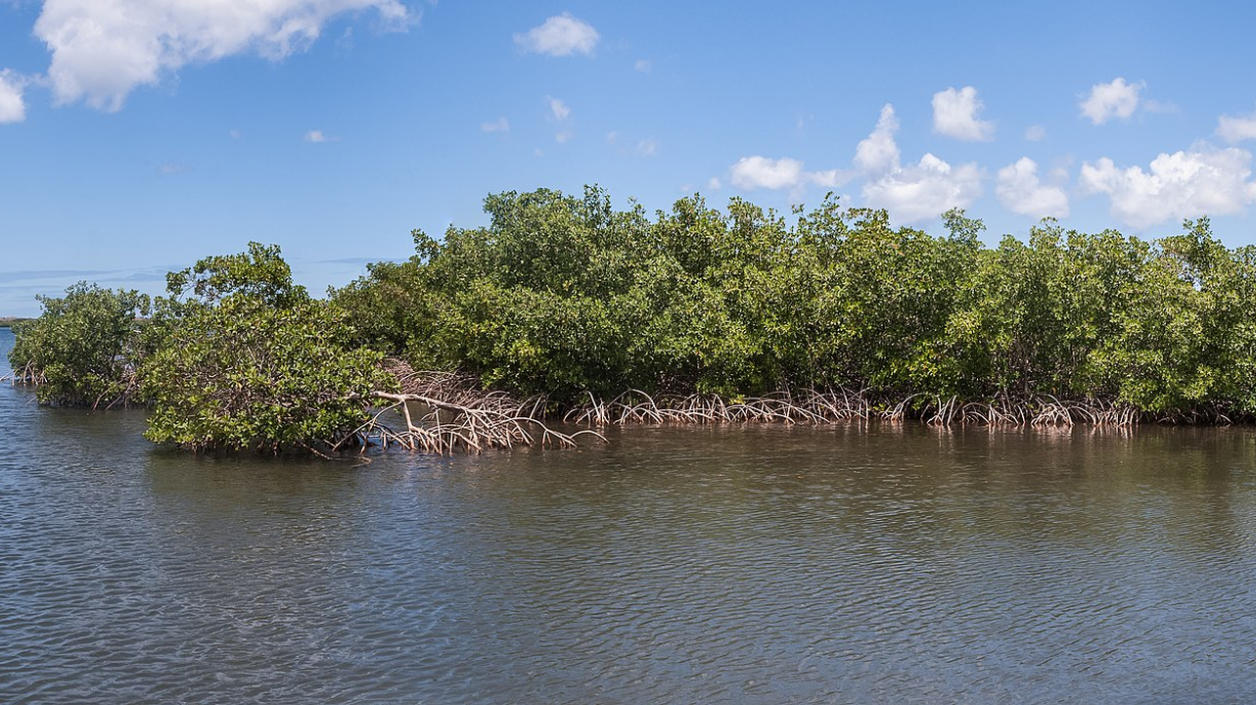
x,y
318,137
558,108
501,124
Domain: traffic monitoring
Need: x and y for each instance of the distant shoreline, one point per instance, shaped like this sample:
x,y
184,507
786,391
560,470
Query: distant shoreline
x,y
8,321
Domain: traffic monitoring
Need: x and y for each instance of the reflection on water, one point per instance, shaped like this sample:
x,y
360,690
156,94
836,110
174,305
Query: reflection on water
x,y
759,565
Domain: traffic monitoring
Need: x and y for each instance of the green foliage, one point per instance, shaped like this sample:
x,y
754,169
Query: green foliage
x,y
561,294
81,345
247,375
243,359
237,357
566,295
260,273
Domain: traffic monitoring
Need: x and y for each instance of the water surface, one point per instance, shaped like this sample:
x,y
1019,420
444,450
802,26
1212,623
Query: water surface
x,y
760,565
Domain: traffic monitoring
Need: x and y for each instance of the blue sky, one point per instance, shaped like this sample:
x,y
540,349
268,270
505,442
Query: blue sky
x,y
139,135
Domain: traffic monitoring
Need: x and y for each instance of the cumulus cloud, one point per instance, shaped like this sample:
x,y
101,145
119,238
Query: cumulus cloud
x,y
924,190
761,172
1236,128
757,172
1109,100
878,152
558,108
501,124
915,192
714,184
104,49
1185,184
560,35
1020,191
318,137
955,115
12,106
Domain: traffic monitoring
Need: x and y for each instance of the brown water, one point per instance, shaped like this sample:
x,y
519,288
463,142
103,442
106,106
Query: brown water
x,y
760,565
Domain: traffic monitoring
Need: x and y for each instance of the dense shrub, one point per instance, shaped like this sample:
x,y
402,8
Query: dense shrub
x,y
81,348
566,295
562,294
243,359
236,357
245,375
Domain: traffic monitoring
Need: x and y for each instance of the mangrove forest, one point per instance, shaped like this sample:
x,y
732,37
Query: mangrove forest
x,y
564,308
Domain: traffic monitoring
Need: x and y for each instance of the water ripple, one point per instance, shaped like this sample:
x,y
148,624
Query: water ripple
x,y
672,566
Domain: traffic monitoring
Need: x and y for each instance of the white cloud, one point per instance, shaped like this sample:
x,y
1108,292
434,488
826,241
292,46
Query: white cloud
x,y
12,106
647,147
317,137
924,190
1020,191
1185,184
1109,100
643,65
713,184
104,49
761,172
1233,128
878,152
558,108
562,137
560,35
955,115
829,178
757,172
1035,133
915,192
501,124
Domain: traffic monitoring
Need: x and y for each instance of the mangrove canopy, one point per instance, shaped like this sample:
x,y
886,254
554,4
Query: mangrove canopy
x,y
565,303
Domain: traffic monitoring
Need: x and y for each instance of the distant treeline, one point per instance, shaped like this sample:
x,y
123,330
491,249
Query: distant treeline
x,y
9,321
571,298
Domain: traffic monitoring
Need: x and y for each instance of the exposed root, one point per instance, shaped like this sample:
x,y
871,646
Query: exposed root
x,y
32,376
27,375
441,426
847,405
462,391
636,406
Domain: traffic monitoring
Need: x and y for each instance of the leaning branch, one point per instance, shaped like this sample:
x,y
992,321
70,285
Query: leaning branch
x,y
440,426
